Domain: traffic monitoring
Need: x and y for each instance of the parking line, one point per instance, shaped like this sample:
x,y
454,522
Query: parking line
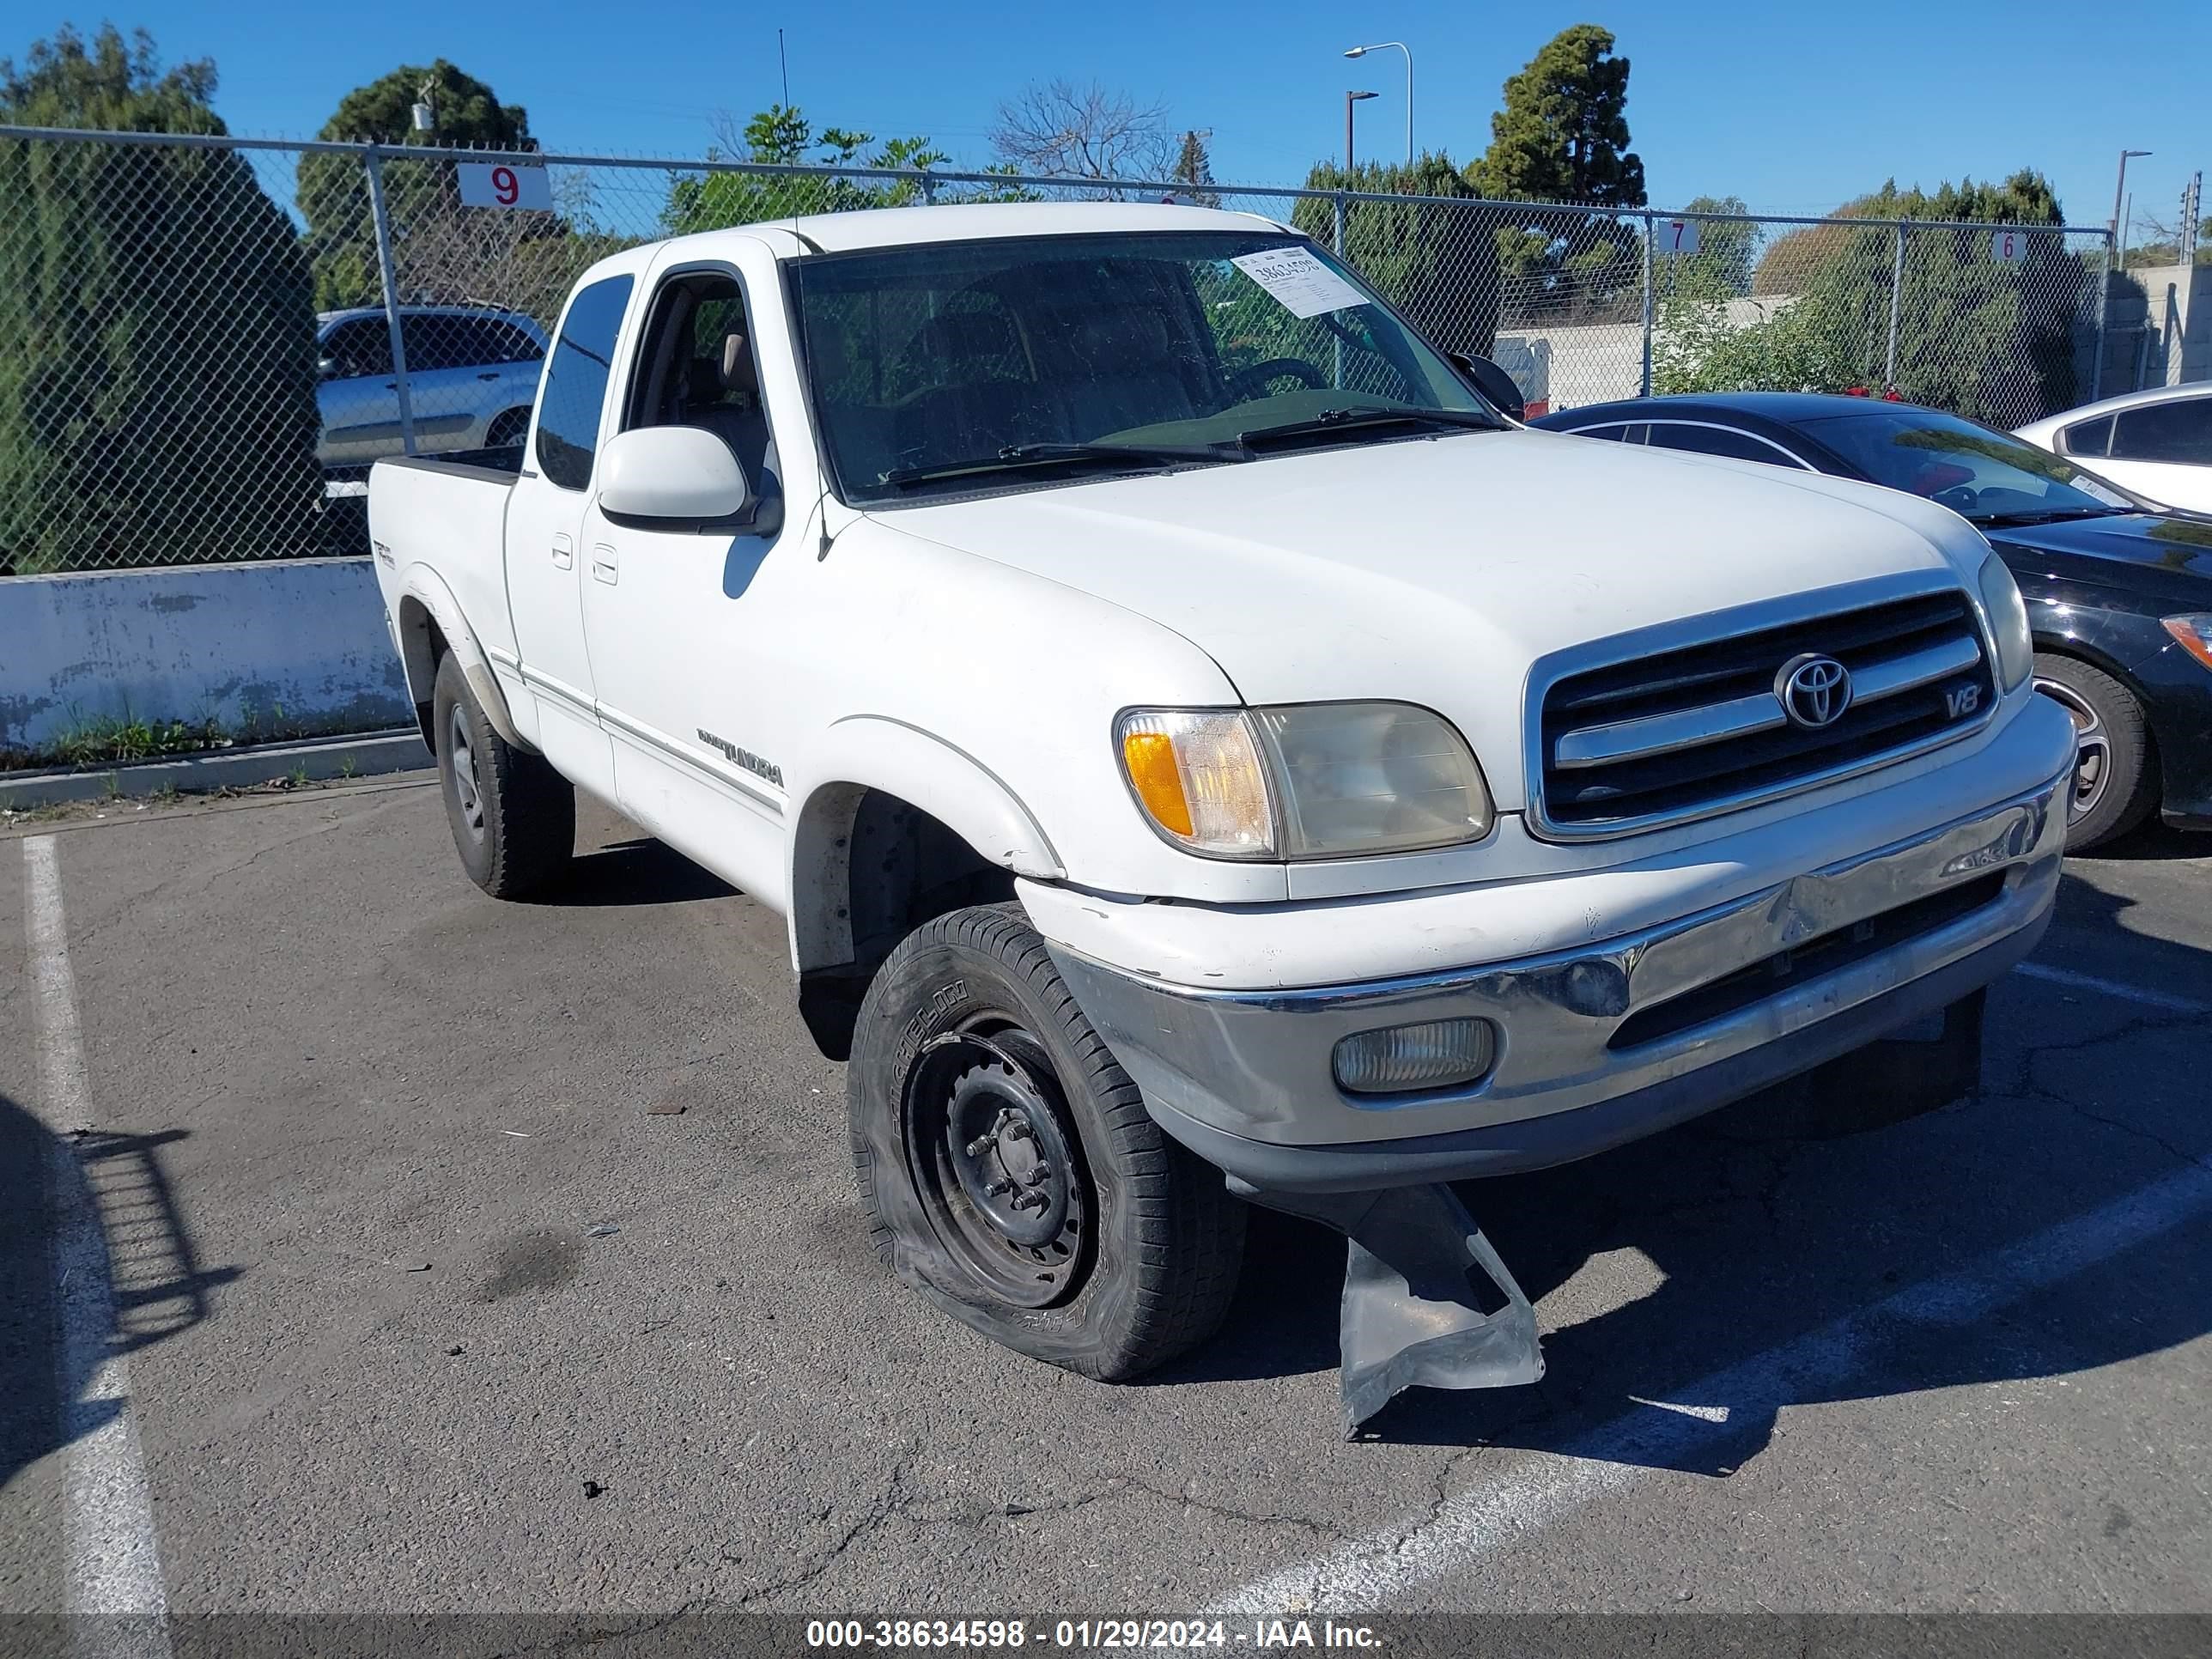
x,y
110,1560
1384,1568
2111,988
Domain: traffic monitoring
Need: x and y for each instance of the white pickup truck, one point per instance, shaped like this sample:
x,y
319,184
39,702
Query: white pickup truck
x,y
1207,753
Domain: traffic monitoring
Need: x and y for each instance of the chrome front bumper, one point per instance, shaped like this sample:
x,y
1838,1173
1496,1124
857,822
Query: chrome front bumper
x,y
1245,1078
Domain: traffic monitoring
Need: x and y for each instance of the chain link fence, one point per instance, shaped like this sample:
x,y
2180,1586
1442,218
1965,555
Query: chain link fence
x,y
205,342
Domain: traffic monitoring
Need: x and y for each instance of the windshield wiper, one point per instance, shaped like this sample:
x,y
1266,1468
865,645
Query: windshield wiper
x,y
1331,421
2044,515
1015,458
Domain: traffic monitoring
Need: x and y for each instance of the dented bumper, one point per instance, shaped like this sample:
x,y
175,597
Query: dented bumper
x,y
1599,1046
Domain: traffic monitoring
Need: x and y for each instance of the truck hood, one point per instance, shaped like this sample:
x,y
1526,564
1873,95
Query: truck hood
x,y
1436,571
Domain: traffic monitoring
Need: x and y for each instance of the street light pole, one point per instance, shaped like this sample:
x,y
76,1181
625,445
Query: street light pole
x,y
1396,46
2120,191
1350,99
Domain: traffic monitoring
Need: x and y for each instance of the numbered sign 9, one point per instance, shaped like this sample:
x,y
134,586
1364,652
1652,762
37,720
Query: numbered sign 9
x,y
503,184
2007,247
1674,235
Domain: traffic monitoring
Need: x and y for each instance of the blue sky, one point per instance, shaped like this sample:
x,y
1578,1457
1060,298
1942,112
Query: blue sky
x,y
1795,108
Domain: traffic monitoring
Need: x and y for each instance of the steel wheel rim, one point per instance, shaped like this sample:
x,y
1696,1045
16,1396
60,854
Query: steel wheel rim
x,y
2092,763
995,1162
468,790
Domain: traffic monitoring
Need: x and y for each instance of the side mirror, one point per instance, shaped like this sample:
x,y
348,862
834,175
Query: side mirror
x,y
673,478
1492,382
326,368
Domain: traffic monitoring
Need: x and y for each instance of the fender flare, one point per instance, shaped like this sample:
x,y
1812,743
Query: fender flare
x,y
422,588
864,752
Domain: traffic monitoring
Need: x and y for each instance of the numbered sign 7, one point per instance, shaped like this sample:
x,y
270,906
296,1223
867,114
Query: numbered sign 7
x,y
503,184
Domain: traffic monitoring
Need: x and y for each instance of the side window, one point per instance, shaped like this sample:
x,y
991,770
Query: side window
x,y
2087,437
575,389
2178,431
430,342
699,367
1617,431
1715,441
359,348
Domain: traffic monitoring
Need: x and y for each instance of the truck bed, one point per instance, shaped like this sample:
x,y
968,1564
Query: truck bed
x,y
449,515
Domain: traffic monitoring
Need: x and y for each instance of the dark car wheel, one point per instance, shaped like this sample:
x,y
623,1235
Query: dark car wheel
x,y
514,818
2115,776
1009,1170
508,430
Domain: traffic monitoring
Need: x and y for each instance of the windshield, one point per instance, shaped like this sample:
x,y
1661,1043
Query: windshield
x,y
1981,474
965,366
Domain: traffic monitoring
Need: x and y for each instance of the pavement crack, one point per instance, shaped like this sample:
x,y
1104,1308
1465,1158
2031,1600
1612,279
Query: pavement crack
x,y
887,1509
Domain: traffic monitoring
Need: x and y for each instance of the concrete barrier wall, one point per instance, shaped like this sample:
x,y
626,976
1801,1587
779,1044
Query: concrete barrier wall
x,y
286,646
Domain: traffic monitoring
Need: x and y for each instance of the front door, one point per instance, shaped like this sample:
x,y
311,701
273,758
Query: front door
x,y
545,566
689,630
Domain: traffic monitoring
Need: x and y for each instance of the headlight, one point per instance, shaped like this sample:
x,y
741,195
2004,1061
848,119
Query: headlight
x,y
1304,781
2008,621
2193,634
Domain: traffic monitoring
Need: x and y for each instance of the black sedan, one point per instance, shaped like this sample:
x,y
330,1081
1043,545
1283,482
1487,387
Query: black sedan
x,y
2119,592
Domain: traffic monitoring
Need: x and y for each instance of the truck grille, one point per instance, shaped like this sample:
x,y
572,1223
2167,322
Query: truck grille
x,y
1707,727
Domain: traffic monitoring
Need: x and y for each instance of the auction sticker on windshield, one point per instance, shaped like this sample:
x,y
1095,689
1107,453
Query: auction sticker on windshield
x,y
1304,286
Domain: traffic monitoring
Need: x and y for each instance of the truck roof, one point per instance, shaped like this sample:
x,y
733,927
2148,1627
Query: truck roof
x,y
866,227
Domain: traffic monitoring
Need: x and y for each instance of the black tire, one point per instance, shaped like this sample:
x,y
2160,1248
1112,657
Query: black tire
x,y
969,1004
2115,782
506,429
514,818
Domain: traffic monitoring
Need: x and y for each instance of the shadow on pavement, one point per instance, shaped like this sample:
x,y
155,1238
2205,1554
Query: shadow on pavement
x,y
633,872
153,1284
1738,1267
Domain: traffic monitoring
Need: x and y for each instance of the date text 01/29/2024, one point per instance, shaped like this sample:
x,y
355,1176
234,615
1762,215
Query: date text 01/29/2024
x,y
1086,1634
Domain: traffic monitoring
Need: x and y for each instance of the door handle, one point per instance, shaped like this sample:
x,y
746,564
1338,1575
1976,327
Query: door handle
x,y
488,375
604,566
564,553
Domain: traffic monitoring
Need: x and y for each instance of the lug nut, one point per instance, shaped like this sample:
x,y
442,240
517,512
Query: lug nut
x,y
998,1189
980,1145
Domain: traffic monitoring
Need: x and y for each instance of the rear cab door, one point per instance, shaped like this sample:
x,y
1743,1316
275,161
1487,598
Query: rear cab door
x,y
544,524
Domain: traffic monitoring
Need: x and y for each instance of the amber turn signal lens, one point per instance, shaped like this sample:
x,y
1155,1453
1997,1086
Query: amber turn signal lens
x,y
1150,758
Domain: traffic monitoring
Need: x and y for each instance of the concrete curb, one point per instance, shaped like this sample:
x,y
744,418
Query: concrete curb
x,y
359,755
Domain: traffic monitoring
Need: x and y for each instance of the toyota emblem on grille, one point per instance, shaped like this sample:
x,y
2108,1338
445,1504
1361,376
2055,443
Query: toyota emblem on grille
x,y
1814,690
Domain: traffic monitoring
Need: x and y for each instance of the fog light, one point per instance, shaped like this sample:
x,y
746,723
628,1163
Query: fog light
x,y
1434,1054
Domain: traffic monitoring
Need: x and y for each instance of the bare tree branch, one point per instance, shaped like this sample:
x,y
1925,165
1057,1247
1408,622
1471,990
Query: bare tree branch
x,y
1061,130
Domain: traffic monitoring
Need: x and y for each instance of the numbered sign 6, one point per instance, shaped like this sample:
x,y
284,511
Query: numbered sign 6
x,y
1674,235
503,184
2007,247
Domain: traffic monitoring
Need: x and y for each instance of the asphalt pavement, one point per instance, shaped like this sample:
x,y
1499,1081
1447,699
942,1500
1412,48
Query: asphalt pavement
x,y
479,1257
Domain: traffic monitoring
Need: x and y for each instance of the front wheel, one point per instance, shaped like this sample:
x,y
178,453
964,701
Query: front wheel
x,y
1007,1166
2115,782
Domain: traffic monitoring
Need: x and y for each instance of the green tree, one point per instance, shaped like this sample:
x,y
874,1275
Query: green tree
x,y
1438,265
333,189
1562,135
1991,340
1721,266
157,328
783,138
1194,168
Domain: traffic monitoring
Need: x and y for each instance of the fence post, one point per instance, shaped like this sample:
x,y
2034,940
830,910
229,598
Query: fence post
x,y
383,223
928,188
1338,343
2104,298
1896,297
1651,230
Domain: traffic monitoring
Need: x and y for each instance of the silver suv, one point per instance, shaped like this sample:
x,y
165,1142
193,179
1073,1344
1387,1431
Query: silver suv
x,y
471,373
